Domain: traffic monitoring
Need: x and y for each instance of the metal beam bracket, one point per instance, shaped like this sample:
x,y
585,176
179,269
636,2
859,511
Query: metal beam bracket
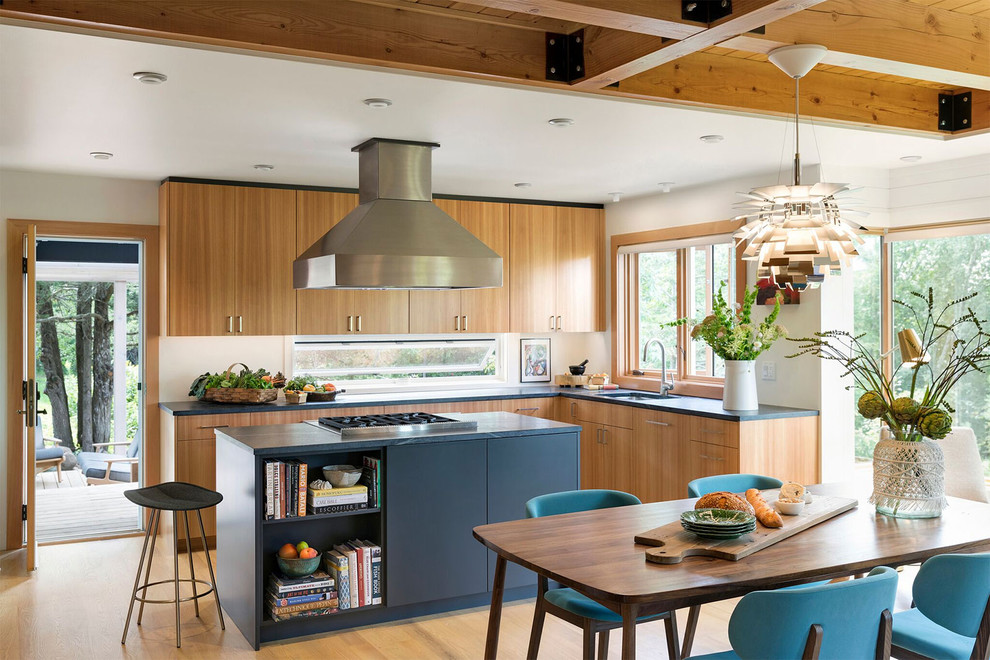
x,y
565,56
705,11
955,111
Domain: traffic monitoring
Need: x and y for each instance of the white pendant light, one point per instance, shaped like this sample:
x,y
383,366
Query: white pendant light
x,y
797,234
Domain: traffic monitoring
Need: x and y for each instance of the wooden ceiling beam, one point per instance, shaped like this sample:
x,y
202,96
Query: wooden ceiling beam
x,y
892,37
539,24
759,87
747,15
658,19
341,30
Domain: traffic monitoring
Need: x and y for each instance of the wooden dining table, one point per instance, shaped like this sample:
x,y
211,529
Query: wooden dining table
x,y
593,552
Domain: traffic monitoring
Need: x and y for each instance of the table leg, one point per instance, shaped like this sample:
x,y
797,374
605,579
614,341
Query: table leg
x,y
629,611
495,614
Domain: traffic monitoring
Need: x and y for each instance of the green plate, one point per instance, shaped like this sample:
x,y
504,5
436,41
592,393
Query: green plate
x,y
717,517
719,530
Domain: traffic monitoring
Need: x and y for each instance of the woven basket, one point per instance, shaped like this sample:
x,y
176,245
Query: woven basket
x,y
239,394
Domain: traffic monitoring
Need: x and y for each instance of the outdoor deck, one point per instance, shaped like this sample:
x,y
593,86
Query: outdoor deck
x,y
71,510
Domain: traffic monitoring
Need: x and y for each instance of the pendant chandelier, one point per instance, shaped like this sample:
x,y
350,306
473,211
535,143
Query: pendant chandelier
x,y
797,234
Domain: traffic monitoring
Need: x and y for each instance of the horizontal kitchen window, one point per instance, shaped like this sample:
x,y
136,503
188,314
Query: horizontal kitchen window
x,y
396,363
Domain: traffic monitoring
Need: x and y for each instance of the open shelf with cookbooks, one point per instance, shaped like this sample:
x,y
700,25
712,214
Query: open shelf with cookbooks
x,y
296,488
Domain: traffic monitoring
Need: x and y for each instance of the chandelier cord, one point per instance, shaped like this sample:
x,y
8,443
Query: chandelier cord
x,y
797,131
821,158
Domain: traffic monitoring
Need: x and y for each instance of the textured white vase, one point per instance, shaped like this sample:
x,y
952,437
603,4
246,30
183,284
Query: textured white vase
x,y
740,385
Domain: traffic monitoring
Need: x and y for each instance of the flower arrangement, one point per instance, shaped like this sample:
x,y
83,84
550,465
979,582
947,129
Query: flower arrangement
x,y
729,329
911,415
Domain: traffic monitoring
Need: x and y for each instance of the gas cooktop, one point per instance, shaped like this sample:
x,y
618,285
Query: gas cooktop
x,y
393,425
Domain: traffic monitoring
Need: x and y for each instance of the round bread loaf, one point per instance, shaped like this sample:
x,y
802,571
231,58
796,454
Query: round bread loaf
x,y
724,500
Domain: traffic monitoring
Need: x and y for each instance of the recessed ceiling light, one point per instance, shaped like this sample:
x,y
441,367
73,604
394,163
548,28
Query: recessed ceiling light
x,y
665,186
711,139
150,77
561,122
523,184
264,167
377,103
910,159
101,155
616,196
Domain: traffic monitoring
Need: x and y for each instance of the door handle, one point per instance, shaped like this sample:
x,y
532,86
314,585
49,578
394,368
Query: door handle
x,y
240,324
650,421
573,413
551,323
230,324
559,326
350,324
604,436
359,323
42,412
457,324
598,434
464,323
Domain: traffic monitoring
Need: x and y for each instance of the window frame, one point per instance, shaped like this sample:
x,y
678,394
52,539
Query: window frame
x,y
625,307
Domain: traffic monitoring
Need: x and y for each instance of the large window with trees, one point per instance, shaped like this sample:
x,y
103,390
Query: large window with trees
x,y
954,261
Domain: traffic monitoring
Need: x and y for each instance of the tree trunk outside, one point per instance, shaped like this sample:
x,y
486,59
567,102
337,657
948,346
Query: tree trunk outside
x,y
51,364
102,362
84,364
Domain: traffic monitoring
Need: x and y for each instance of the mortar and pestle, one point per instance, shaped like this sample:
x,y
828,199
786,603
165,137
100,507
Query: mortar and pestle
x,y
577,369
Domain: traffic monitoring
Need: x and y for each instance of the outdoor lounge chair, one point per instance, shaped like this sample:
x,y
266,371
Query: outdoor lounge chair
x,y
103,468
46,457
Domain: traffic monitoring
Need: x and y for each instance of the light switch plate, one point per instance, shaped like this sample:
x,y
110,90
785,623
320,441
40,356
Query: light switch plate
x,y
769,371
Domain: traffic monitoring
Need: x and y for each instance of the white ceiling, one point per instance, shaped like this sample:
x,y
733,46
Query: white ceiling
x,y
64,95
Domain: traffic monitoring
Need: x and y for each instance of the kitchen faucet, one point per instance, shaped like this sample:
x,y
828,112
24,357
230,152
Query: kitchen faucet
x,y
665,386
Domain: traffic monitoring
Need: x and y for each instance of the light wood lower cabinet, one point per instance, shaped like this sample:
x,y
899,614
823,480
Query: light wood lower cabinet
x,y
660,457
707,460
606,457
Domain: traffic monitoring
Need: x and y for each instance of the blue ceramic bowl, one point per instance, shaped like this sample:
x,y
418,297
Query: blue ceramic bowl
x,y
296,568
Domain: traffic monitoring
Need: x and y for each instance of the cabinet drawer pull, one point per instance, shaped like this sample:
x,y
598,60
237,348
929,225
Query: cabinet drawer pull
x,y
230,324
217,426
359,323
559,326
714,432
350,324
604,436
464,323
457,324
240,324
711,458
573,411
598,432
526,409
551,323
650,421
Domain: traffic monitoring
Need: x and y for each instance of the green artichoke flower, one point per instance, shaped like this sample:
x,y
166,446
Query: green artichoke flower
x,y
935,424
905,409
871,405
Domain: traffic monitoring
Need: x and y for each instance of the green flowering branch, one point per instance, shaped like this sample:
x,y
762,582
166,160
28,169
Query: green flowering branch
x,y
729,329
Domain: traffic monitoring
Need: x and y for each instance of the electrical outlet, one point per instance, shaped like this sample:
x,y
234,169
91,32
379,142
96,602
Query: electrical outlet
x,y
769,371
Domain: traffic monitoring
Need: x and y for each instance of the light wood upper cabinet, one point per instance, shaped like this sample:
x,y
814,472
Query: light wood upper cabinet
x,y
197,227
229,254
338,312
557,269
580,256
532,269
470,310
265,247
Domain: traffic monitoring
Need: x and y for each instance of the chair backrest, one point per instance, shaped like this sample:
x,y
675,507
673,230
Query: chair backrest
x,y
963,466
734,483
952,591
134,447
39,436
775,624
577,500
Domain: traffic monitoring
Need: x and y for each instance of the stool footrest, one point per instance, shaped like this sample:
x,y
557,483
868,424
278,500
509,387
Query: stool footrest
x,y
144,590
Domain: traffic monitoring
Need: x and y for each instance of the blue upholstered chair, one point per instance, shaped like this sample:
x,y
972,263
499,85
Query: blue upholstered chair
x,y
569,605
103,468
842,620
734,483
951,615
46,457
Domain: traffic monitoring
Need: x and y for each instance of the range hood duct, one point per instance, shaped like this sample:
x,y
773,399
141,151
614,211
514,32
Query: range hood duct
x,y
397,238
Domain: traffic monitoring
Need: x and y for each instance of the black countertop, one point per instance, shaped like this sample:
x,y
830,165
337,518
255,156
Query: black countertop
x,y
686,405
303,438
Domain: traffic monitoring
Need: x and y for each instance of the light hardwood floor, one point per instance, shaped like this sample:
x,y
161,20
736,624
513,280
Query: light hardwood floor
x,y
74,607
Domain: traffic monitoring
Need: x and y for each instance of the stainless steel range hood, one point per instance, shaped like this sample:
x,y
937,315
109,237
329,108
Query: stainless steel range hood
x,y
397,238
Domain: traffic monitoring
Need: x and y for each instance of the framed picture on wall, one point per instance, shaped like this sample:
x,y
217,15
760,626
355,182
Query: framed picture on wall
x,y
534,360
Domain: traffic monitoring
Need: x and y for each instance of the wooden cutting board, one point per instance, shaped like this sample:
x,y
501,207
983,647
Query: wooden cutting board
x,y
568,380
674,543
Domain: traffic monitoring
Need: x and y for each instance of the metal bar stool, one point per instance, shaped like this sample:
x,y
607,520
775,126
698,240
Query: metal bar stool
x,y
174,496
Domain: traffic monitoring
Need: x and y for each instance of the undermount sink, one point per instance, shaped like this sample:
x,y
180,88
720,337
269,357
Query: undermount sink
x,y
637,396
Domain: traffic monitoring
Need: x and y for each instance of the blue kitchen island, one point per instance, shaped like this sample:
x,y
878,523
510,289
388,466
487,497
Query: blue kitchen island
x,y
436,488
